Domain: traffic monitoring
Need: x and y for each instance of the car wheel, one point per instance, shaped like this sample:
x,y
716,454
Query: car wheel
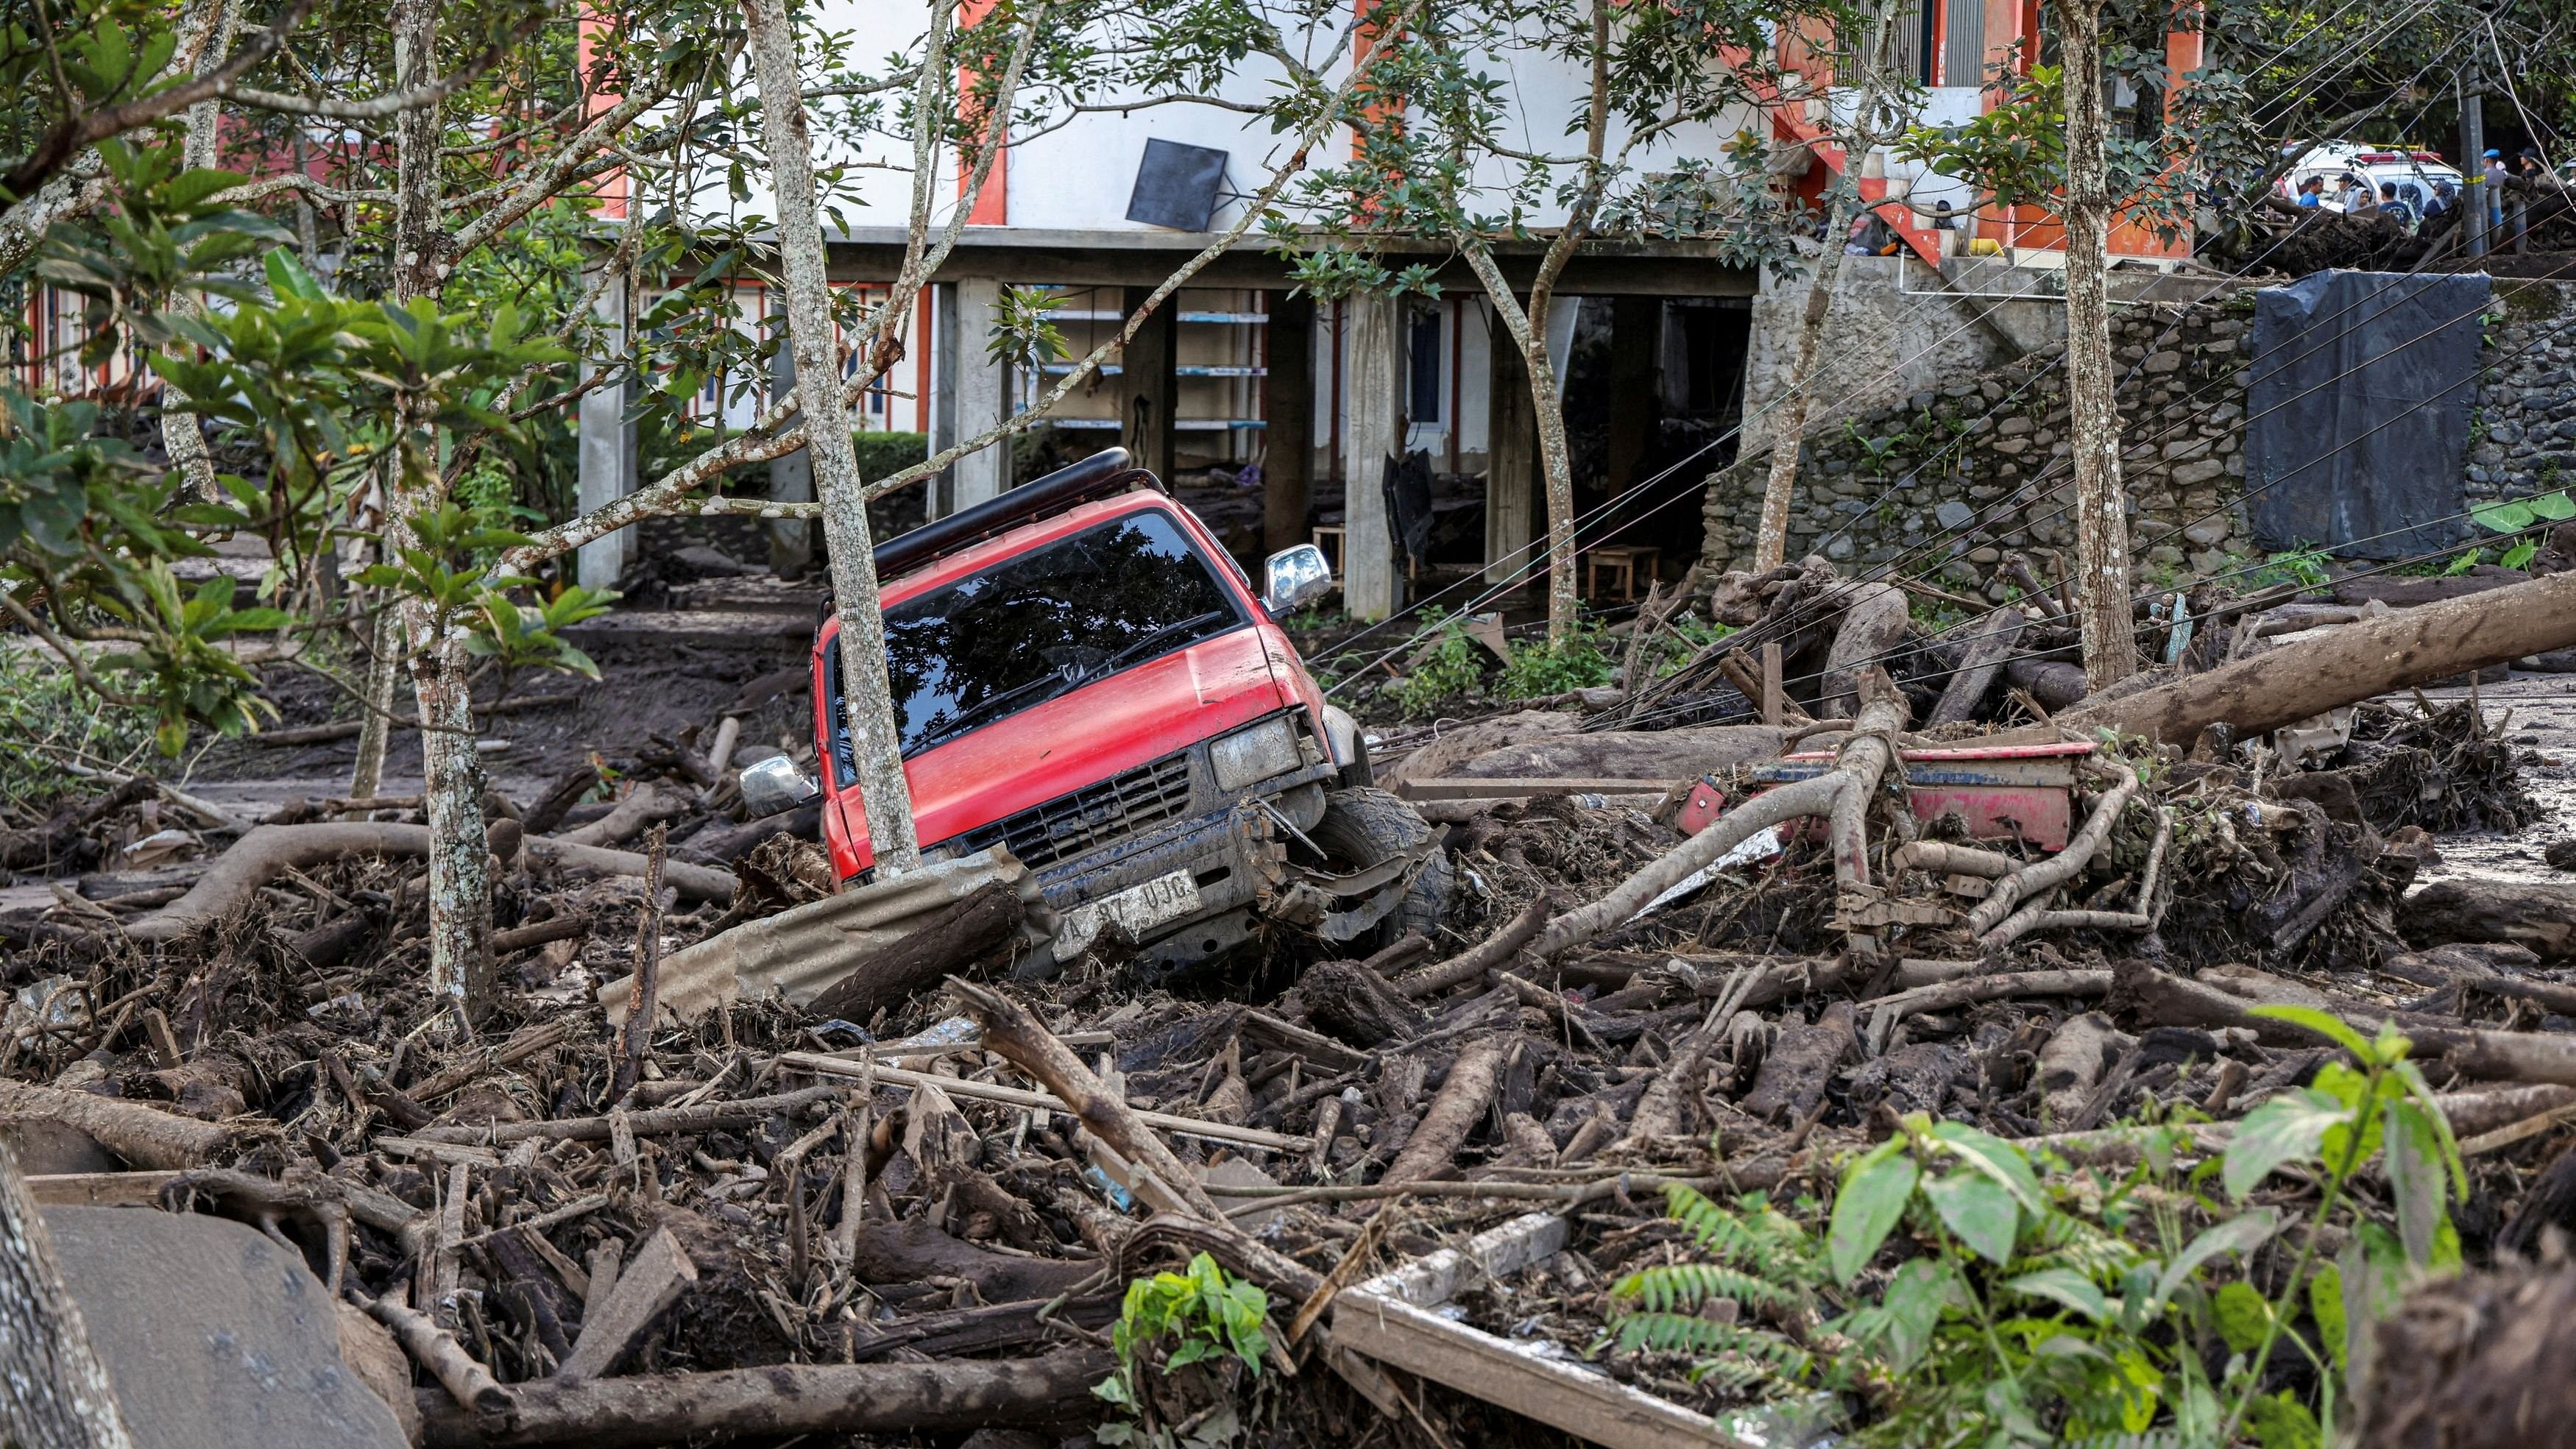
x,y
1362,827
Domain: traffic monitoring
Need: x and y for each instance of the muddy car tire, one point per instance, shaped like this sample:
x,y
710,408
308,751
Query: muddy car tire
x,y
1366,825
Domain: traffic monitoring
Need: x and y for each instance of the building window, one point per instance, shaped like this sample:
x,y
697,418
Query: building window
x,y
1423,376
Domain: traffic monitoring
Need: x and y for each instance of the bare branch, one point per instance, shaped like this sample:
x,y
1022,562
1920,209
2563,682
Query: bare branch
x,y
378,107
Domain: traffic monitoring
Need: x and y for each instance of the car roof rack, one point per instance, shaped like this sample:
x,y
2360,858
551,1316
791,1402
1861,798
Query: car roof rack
x,y
1101,475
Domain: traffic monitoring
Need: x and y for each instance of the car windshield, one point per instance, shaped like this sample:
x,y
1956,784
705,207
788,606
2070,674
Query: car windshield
x,y
1037,624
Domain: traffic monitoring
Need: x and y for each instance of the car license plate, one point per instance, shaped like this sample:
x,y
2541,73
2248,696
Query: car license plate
x,y
1137,909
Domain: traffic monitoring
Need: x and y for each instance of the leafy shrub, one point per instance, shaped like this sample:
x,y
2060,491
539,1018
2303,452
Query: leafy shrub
x,y
1451,669
1208,1316
2036,1302
1536,668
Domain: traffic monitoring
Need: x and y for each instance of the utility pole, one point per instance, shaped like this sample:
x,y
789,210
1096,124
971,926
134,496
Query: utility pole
x,y
2101,504
2473,167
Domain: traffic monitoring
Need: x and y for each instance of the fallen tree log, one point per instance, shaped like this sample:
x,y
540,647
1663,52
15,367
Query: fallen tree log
x,y
2354,662
2533,914
869,1398
144,1136
1873,624
1462,1102
1996,635
269,851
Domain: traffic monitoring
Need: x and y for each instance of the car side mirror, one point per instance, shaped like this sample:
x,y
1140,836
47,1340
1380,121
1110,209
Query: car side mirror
x,y
1295,576
775,784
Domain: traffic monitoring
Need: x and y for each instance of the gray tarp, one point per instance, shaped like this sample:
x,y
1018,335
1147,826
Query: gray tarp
x,y
2357,428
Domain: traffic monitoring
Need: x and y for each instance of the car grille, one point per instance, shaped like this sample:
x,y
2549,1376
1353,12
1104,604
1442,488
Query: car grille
x,y
1091,817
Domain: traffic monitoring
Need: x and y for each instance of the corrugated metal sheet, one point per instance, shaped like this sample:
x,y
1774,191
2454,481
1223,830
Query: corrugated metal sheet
x,y
800,952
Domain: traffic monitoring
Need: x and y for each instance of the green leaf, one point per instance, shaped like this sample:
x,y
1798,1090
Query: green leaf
x,y
2240,1234
2280,1421
2520,554
1912,1307
2066,1286
2552,506
2242,1314
2324,1024
1978,1209
2288,1128
2325,1304
53,519
1997,1159
1867,1209
2415,1178
2504,517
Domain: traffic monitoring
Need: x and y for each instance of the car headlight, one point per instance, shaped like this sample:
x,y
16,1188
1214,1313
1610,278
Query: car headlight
x,y
1268,748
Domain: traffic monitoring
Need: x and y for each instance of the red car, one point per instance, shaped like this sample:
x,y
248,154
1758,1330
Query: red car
x,y
1084,678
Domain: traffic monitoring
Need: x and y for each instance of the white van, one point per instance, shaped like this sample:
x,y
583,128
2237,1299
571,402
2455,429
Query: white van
x,y
2414,173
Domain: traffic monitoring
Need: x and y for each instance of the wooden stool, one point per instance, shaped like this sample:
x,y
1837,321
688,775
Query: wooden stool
x,y
1622,560
1328,538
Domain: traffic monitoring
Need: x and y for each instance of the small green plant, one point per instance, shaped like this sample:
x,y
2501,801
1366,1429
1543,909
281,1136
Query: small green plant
x,y
1207,1317
2304,565
2465,562
2518,515
2035,1302
1449,669
1680,642
48,719
1536,668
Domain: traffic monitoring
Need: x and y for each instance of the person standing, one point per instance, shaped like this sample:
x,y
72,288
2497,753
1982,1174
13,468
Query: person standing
x,y
2394,209
2494,181
2312,192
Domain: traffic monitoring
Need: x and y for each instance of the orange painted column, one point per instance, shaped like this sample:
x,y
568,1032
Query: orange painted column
x,y
589,32
992,204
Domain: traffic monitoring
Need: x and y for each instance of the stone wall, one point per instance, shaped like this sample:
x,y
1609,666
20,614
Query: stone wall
x,y
1892,485
2523,435
1895,483
1894,330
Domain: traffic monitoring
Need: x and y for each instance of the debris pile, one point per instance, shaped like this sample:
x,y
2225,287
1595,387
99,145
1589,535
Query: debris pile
x,y
1726,958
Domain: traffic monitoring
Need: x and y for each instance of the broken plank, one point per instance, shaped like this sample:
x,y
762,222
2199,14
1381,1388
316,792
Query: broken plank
x,y
1512,1376
660,1273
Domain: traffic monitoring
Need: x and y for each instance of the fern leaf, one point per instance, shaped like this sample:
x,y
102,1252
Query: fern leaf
x,y
1682,1287
1689,1333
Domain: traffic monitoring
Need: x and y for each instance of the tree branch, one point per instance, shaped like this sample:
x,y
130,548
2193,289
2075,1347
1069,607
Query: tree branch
x,y
76,132
378,107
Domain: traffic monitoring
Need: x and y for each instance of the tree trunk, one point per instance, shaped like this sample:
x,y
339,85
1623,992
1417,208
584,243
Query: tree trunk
x,y
430,646
1556,468
1789,429
882,787
54,1393
2101,505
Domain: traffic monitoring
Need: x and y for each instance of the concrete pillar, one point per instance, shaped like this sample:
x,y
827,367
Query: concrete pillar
x,y
606,446
941,299
791,480
1511,459
1635,335
1148,390
979,393
1288,416
1372,586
